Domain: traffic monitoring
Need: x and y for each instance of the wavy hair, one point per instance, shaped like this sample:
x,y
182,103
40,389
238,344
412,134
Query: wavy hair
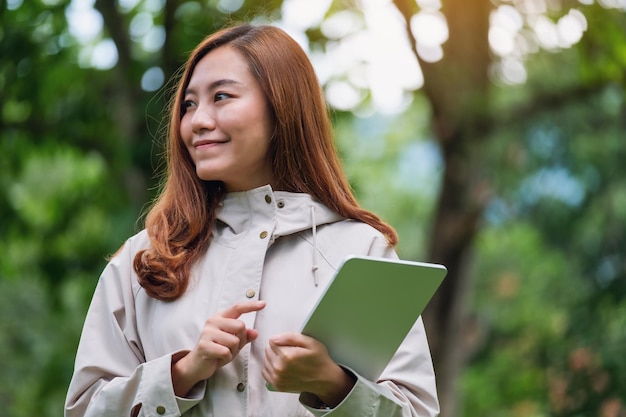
x,y
302,155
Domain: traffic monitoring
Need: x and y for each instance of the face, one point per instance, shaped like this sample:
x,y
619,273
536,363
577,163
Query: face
x,y
227,125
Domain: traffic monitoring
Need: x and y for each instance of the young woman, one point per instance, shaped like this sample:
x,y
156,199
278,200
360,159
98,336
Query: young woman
x,y
196,313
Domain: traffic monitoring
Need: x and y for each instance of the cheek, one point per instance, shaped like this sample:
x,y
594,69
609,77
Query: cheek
x,y
263,126
185,129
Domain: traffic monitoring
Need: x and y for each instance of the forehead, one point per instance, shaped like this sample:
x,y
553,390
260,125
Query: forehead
x,y
224,62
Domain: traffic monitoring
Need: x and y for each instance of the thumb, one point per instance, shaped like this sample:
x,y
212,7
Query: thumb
x,y
287,339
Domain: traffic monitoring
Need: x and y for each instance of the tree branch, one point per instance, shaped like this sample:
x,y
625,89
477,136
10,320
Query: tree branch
x,y
547,100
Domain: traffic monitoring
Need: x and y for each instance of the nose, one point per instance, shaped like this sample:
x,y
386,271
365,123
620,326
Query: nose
x,y
203,119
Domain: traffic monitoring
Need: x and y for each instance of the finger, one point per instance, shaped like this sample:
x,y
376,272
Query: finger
x,y
271,356
290,339
218,345
269,365
277,372
269,378
233,326
229,340
251,335
216,351
241,308
238,328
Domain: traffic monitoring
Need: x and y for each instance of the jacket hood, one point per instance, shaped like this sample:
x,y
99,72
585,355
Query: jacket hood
x,y
292,212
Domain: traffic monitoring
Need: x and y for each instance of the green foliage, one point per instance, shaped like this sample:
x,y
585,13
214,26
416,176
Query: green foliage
x,y
394,168
550,278
77,161
523,292
79,146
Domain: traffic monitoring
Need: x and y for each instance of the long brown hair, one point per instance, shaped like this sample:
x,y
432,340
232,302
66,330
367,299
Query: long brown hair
x,y
302,154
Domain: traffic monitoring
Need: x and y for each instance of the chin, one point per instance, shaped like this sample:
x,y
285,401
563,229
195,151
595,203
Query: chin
x,y
205,176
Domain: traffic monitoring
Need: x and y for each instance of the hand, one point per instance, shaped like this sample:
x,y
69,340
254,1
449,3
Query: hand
x,y
222,337
298,363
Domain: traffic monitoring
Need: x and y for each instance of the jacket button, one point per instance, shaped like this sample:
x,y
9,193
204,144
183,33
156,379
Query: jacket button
x,y
268,198
263,234
250,293
241,387
280,204
160,410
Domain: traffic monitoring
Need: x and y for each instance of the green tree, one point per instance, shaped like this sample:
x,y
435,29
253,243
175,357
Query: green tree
x,y
80,136
527,300
471,109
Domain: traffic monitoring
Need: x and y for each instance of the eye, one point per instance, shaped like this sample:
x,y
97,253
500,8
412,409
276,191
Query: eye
x,y
186,104
221,96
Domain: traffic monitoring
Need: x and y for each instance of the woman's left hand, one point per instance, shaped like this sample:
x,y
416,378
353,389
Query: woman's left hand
x,y
298,363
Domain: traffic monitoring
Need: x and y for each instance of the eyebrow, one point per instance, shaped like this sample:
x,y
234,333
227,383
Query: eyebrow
x,y
215,84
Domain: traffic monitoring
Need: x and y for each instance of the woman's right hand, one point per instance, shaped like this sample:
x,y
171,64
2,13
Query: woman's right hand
x,y
222,337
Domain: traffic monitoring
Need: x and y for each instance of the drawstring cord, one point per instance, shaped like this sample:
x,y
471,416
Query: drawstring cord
x,y
314,228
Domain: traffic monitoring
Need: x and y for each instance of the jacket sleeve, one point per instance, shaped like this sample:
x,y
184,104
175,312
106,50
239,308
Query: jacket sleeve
x,y
407,386
111,377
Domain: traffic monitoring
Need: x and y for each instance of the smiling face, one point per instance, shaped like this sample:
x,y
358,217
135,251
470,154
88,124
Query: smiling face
x,y
226,124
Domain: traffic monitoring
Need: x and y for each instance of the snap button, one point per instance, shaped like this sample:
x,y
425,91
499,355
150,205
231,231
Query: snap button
x,y
160,410
250,293
280,204
263,234
268,198
241,387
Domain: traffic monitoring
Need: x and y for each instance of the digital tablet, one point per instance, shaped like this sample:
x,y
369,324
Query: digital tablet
x,y
369,307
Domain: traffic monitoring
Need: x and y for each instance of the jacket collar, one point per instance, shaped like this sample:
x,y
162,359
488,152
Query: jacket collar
x,y
291,212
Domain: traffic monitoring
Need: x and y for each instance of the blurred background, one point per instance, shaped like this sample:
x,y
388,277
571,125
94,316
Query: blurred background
x,y
490,133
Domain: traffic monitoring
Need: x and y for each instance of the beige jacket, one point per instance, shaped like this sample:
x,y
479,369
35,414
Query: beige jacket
x,y
125,352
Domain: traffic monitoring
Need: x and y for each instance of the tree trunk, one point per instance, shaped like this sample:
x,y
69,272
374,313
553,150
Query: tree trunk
x,y
126,97
456,88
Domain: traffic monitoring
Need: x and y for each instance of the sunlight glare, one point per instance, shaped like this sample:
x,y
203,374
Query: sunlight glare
x,y
154,40
613,4
372,53
531,7
571,27
392,68
501,41
429,5
342,95
128,5
546,32
229,6
305,14
338,58
507,18
140,25
527,42
85,23
152,79
429,28
153,6
505,24
14,4
430,54
513,71
340,24
104,55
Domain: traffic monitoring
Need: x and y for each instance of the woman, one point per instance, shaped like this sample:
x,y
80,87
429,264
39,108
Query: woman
x,y
198,312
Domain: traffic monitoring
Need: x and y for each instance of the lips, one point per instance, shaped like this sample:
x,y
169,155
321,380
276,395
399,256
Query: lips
x,y
207,143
